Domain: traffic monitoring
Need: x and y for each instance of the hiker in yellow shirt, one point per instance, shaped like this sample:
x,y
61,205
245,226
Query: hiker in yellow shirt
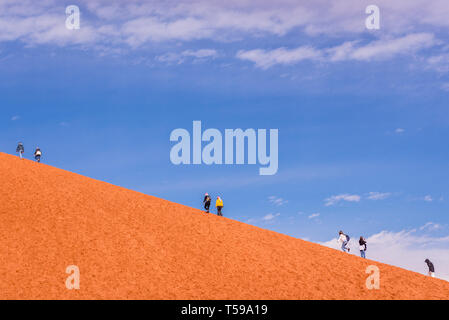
x,y
219,205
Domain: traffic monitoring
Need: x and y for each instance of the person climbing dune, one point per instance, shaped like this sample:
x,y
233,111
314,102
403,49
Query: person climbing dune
x,y
219,205
343,239
207,200
20,149
431,268
38,154
362,244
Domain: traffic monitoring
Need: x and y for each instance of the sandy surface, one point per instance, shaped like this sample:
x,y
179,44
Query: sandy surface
x,y
128,245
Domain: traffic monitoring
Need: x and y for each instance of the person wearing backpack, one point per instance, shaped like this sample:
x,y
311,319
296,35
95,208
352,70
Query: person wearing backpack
x,y
219,205
343,239
20,149
362,244
207,200
38,154
431,268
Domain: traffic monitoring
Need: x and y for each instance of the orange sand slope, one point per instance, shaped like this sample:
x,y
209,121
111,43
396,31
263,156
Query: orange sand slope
x,y
128,245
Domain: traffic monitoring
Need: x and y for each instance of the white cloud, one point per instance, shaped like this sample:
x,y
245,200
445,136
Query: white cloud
x,y
431,226
375,50
341,197
202,53
277,201
439,63
140,23
428,198
314,215
399,130
266,59
378,195
178,58
405,249
386,48
15,118
270,216
116,27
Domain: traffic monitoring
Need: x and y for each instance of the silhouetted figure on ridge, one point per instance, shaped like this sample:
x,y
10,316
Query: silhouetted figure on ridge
x,y
219,205
431,268
207,200
362,244
38,154
20,149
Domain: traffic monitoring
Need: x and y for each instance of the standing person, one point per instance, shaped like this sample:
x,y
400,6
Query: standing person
x,y
38,154
206,201
343,239
431,268
20,149
362,243
219,205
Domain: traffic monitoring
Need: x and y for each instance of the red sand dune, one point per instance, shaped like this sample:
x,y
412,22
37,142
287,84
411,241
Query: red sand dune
x,y
129,245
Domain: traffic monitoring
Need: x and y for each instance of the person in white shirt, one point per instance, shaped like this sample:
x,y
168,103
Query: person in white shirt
x,y
38,154
343,239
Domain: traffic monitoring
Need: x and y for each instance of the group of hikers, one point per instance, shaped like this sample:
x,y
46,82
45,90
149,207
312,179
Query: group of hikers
x,y
21,150
343,239
218,204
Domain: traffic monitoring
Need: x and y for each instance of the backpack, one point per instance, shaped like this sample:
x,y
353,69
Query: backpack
x,y
348,238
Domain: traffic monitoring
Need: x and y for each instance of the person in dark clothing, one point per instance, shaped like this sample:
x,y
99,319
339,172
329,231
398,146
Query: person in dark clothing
x,y
38,154
207,200
431,268
362,244
20,149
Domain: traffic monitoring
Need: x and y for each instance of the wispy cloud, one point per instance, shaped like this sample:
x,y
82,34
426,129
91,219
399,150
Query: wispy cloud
x,y
431,226
277,201
178,58
314,215
341,197
378,195
399,130
270,216
375,50
439,62
15,118
118,24
201,53
428,198
383,48
266,59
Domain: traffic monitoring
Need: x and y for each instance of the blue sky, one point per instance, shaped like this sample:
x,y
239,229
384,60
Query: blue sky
x,y
362,114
